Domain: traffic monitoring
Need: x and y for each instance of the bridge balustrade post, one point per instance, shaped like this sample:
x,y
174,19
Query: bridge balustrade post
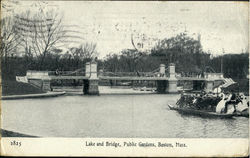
x,y
162,70
40,79
172,82
171,69
87,69
46,85
91,86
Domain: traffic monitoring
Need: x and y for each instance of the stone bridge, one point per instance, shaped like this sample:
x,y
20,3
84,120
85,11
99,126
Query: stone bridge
x,y
166,78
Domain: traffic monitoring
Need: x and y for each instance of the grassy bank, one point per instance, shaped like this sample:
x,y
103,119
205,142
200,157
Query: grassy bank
x,y
10,87
6,133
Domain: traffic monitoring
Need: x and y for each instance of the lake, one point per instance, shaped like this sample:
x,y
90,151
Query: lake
x,y
114,115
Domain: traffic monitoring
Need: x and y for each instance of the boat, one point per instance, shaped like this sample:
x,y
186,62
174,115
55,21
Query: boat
x,y
242,114
199,112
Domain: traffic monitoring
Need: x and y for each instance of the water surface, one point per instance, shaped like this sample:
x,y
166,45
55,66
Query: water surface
x,y
145,115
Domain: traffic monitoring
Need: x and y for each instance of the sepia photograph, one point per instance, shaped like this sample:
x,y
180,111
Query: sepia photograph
x,y
124,70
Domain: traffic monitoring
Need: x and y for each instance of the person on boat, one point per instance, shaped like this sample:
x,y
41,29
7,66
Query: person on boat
x,y
242,104
245,104
189,101
203,102
217,90
213,102
198,101
195,100
57,72
245,101
181,101
221,105
186,101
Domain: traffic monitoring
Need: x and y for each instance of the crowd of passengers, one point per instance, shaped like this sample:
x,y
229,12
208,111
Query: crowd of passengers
x,y
220,103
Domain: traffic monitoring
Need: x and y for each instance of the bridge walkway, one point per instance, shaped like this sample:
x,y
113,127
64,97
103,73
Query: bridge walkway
x,y
133,78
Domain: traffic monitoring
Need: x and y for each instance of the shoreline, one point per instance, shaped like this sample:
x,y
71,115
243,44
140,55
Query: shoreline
x,y
41,95
7,133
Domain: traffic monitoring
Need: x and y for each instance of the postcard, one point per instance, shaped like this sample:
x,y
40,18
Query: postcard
x,y
124,78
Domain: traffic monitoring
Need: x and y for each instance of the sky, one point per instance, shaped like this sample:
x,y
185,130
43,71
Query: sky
x,y
111,25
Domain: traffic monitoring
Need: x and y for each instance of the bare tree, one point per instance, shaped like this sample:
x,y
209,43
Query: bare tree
x,y
41,31
86,51
9,37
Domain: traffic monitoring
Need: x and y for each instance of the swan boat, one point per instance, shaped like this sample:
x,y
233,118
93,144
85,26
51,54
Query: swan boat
x,y
200,113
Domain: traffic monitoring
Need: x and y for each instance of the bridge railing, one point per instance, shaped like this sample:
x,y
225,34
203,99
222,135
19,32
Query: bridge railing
x,y
214,75
66,73
191,75
131,74
200,75
36,73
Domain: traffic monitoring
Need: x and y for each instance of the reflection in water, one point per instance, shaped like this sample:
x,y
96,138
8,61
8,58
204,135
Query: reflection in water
x,y
205,128
113,116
